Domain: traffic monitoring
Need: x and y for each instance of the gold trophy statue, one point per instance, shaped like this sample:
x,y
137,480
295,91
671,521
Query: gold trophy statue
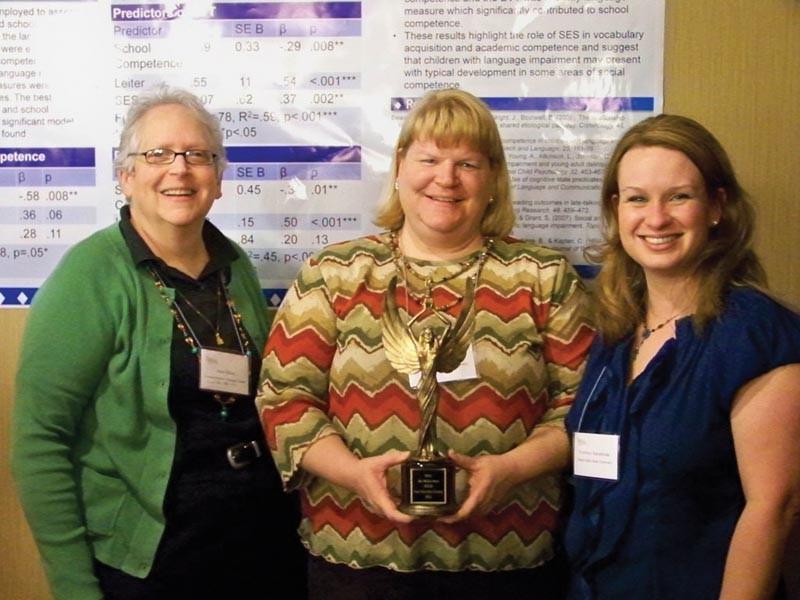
x,y
428,476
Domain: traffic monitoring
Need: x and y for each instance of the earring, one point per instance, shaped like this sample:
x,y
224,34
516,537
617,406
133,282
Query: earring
x,y
396,184
714,223
491,199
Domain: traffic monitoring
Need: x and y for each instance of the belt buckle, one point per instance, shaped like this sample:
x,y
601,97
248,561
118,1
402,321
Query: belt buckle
x,y
241,455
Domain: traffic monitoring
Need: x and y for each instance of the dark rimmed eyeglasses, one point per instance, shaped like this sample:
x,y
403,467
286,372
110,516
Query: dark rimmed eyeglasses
x,y
165,156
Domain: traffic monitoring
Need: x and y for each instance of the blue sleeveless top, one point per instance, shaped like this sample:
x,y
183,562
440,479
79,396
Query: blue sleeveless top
x,y
663,529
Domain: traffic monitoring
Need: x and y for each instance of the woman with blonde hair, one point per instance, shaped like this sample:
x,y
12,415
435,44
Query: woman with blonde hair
x,y
341,416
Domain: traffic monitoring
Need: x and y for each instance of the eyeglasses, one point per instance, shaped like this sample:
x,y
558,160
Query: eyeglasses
x,y
165,156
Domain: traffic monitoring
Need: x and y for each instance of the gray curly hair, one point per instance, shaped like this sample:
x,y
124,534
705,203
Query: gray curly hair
x,y
159,96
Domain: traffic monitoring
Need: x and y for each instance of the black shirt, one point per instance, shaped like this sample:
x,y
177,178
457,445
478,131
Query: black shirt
x,y
221,522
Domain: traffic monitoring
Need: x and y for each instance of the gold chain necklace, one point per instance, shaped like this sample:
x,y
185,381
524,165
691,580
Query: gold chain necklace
x,y
404,267
215,327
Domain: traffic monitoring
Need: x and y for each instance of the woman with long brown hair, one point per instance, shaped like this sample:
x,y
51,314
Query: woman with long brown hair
x,y
685,429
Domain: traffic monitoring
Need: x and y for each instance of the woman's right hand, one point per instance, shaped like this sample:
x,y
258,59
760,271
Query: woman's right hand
x,y
371,485
366,477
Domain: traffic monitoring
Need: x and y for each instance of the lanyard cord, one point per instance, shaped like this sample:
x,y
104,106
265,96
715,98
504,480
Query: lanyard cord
x,y
590,398
235,318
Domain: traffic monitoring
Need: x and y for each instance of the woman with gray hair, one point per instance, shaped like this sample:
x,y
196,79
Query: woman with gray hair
x,y
138,452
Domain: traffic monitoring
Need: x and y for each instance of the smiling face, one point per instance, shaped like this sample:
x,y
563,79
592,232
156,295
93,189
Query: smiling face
x,y
176,196
444,193
664,211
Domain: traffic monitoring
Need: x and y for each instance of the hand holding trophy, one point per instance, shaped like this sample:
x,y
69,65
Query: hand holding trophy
x,y
428,476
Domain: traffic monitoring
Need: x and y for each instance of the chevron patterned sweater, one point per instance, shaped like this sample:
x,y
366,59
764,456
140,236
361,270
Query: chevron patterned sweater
x,y
325,373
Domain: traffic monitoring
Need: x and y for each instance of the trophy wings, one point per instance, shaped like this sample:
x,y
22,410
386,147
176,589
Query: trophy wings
x,y
405,352
457,340
398,344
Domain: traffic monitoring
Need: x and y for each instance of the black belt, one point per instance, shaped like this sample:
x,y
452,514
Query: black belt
x,y
241,455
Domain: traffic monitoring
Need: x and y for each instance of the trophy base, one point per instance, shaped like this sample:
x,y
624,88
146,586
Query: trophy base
x,y
428,487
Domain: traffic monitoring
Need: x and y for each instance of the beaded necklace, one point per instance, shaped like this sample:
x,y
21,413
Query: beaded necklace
x,y
193,341
404,267
648,332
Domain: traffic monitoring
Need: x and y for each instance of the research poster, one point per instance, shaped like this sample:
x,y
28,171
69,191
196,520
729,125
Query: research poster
x,y
310,97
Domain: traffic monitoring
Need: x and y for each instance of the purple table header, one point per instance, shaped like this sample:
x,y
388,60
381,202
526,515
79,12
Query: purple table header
x,y
290,154
612,104
241,10
47,157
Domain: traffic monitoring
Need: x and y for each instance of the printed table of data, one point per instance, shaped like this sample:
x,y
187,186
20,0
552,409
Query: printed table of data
x,y
310,97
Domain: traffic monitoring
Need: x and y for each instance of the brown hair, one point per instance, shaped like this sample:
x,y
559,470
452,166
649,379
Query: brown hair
x,y
728,257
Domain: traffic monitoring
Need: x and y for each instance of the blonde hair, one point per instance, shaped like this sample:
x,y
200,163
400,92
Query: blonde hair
x,y
728,259
450,117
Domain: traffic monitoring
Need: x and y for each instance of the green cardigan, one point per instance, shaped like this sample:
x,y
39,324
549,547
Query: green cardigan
x,y
93,439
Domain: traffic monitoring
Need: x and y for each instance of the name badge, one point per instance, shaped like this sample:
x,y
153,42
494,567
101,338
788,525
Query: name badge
x,y
596,455
466,370
227,372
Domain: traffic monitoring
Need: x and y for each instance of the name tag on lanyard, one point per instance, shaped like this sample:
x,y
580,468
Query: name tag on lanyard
x,y
226,372
596,455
